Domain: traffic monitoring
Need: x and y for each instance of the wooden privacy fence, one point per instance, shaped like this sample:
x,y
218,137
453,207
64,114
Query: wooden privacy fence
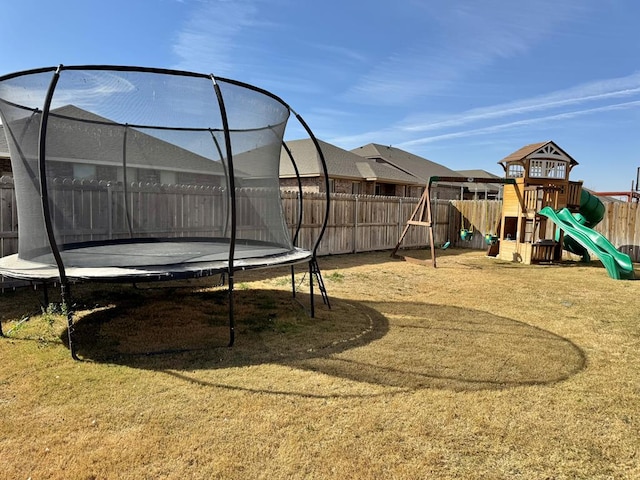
x,y
357,223
621,226
481,217
360,223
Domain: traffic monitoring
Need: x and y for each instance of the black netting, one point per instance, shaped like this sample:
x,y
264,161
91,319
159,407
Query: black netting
x,y
135,157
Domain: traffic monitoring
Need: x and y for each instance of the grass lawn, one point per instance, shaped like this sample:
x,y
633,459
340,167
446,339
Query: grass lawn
x,y
479,369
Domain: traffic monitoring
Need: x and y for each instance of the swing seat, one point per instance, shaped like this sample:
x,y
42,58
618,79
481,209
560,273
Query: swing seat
x,y
466,234
490,239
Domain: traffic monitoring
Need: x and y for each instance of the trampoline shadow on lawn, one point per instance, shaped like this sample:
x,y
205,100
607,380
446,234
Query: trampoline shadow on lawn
x,y
425,346
182,328
453,348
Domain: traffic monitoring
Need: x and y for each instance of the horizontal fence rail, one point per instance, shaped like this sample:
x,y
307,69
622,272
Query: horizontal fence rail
x,y
357,223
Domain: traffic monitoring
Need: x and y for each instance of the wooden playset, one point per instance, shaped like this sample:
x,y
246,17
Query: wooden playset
x,y
543,212
541,173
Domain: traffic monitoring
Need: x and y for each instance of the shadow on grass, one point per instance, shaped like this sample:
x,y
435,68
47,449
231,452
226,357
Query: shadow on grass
x,y
190,329
447,347
387,345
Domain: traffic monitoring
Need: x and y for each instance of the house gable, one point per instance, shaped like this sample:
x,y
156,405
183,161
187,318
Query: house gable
x,y
409,163
341,164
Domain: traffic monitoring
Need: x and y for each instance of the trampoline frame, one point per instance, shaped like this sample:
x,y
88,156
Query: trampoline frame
x,y
197,270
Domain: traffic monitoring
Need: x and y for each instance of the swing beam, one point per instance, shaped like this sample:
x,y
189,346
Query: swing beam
x,y
422,214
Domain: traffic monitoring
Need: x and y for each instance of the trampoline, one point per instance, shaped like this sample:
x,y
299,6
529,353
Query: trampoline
x,y
136,174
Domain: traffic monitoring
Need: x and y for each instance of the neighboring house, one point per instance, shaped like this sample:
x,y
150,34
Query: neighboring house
x,y
490,191
348,172
419,167
91,148
375,170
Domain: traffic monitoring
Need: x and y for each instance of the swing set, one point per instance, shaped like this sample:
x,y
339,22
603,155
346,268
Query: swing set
x,y
423,216
490,238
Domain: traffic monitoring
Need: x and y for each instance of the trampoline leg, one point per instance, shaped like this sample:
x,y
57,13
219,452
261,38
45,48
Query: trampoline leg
x,y
232,327
314,271
67,307
313,309
45,295
293,281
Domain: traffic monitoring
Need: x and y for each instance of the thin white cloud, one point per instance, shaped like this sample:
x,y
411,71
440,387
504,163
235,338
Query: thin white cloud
x,y
245,38
469,35
341,52
601,90
520,123
95,86
597,92
212,34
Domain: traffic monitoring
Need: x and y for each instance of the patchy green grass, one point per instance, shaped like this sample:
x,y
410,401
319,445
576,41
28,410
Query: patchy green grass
x,y
335,277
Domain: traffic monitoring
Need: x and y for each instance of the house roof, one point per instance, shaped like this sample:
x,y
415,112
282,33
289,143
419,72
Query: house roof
x,y
547,149
340,163
90,138
479,173
414,165
372,170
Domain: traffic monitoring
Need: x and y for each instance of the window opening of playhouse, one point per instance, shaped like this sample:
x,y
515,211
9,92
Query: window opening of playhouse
x,y
515,170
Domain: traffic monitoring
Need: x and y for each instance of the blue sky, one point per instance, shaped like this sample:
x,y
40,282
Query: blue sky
x,y
460,82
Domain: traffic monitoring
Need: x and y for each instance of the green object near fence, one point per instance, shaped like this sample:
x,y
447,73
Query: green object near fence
x,y
466,235
490,239
618,265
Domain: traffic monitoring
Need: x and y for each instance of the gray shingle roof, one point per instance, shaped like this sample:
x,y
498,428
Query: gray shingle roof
x,y
419,167
479,173
340,163
307,160
100,142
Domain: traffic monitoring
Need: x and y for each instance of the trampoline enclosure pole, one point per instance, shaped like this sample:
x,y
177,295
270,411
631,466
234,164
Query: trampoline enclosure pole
x,y
232,201
300,213
46,210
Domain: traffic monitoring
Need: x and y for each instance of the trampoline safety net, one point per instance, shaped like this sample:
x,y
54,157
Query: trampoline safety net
x,y
128,172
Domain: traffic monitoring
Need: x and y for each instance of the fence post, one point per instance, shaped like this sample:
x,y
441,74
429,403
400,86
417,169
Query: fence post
x,y
109,211
400,224
355,226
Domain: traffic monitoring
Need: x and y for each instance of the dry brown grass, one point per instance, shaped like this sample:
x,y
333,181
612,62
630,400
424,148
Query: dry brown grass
x,y
477,369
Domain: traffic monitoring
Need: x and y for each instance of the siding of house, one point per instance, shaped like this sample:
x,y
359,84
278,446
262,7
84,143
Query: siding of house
x,y
308,184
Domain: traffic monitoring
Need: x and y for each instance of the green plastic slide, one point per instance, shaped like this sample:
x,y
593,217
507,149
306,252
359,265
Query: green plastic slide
x,y
618,264
591,212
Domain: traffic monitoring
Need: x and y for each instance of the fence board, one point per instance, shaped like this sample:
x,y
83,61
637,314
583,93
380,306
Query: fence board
x,y
357,223
479,216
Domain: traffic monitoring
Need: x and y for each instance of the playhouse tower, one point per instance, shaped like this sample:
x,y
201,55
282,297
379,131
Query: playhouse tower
x,y
541,174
